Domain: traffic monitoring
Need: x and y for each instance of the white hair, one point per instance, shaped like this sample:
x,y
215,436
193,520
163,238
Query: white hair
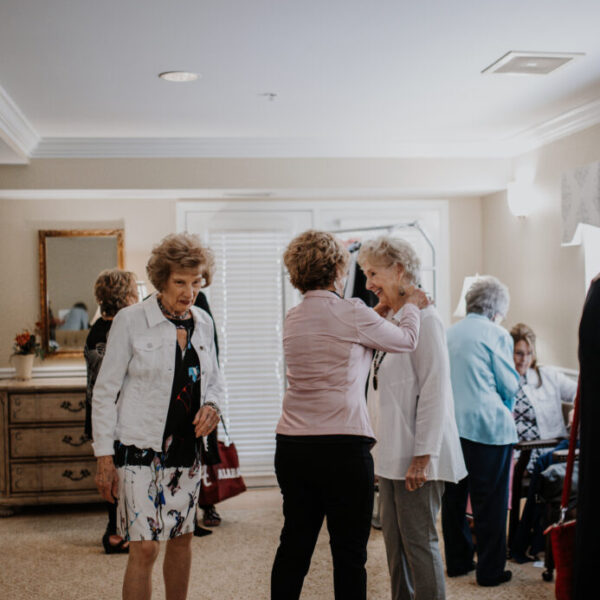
x,y
489,297
388,251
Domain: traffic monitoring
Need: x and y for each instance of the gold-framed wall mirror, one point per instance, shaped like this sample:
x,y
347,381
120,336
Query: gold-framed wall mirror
x,y
70,261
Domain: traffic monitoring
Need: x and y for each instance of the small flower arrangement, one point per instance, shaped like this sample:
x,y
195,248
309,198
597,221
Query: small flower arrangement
x,y
26,343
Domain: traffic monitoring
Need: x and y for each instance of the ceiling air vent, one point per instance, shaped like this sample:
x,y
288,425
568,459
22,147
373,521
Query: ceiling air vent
x,y
530,63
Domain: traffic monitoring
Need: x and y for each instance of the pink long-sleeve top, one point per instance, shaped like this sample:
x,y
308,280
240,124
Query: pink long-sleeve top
x,y
328,343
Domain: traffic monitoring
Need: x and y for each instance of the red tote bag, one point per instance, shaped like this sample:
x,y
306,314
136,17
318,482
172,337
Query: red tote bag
x,y
562,534
223,480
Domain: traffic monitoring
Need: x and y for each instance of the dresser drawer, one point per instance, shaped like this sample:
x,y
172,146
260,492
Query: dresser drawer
x,y
53,477
48,441
47,408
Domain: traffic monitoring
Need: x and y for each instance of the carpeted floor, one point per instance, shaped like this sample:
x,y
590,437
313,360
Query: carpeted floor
x,y
55,554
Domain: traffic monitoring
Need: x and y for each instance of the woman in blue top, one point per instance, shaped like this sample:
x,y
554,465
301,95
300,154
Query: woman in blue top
x,y
484,384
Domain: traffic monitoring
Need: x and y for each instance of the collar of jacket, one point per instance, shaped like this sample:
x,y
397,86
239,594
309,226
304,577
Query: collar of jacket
x,y
155,316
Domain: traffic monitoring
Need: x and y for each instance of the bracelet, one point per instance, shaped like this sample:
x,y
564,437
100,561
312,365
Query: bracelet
x,y
215,406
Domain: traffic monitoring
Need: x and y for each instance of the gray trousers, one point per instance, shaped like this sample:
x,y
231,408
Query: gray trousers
x,y
408,522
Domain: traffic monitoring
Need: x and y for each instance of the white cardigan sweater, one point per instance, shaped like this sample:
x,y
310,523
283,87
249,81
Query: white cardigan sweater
x,y
412,410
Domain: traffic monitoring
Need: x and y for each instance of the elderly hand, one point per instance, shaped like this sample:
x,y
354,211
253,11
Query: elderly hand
x,y
415,476
381,309
107,480
418,297
206,419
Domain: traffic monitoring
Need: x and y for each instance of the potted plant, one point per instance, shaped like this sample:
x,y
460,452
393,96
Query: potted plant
x,y
25,349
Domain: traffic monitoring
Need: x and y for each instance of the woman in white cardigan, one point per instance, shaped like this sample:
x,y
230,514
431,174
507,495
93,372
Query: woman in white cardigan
x,y
542,391
412,411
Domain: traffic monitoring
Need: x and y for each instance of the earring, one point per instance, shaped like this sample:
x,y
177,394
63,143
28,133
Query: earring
x,y
402,291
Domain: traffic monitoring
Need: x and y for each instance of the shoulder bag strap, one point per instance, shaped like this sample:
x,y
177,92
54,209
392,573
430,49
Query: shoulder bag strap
x,y
564,503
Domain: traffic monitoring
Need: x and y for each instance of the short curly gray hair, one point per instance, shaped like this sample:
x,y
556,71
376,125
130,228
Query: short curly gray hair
x,y
176,252
489,297
388,251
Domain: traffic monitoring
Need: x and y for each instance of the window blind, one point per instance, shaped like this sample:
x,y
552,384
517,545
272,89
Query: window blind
x,y
247,300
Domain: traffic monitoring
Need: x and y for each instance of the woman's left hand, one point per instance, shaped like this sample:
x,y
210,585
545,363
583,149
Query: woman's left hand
x,y
206,419
415,476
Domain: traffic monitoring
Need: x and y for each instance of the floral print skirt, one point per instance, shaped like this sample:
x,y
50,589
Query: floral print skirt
x,y
157,502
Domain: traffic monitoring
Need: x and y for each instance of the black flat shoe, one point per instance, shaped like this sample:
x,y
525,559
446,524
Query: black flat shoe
x,y
506,576
109,548
460,572
201,532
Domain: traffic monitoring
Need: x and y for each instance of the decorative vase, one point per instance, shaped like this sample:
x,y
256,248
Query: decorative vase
x,y
23,365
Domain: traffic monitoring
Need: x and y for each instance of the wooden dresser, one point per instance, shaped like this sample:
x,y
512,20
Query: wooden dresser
x,y
44,455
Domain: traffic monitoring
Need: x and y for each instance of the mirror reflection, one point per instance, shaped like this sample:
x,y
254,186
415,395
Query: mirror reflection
x,y
70,261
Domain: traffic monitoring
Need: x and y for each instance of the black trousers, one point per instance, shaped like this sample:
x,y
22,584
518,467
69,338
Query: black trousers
x,y
487,483
318,480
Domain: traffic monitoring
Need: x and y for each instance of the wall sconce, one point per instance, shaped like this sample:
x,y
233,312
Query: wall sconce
x,y
521,198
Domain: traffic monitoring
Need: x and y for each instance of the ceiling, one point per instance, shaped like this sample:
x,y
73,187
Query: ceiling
x,y
352,78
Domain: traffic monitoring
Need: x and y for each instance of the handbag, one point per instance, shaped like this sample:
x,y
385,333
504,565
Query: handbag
x,y
222,480
562,533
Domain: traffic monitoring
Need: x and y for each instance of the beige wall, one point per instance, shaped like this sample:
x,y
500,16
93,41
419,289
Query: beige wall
x,y
546,280
144,222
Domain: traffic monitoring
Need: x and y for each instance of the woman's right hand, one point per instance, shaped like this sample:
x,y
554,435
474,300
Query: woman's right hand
x,y
417,297
107,480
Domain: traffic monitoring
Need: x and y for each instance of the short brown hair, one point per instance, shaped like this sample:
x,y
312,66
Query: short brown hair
x,y
113,290
313,260
179,251
521,332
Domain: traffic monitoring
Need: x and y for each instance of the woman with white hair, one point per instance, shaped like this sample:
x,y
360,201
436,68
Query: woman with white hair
x,y
484,382
412,414
322,459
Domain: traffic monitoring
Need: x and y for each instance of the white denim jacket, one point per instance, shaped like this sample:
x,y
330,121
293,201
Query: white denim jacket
x,y
133,389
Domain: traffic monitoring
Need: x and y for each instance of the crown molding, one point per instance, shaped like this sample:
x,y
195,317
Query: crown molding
x,y
255,148
567,123
23,138
15,130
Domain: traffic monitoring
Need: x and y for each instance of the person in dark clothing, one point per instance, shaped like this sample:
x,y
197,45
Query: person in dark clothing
x,y
114,289
587,558
211,517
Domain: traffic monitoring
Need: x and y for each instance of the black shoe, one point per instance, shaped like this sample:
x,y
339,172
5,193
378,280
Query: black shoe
x,y
459,572
506,576
119,548
201,532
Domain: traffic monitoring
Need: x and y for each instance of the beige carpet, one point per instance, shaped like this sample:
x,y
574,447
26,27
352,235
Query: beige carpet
x,y
55,554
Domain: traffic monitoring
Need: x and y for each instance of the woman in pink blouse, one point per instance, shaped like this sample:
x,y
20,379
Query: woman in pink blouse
x,y
323,461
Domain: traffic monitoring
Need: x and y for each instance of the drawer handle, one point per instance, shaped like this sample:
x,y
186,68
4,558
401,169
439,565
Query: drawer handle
x,y
69,440
82,475
67,406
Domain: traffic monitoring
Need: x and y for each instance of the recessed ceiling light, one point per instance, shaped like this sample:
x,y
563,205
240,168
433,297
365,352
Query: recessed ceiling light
x,y
530,63
178,76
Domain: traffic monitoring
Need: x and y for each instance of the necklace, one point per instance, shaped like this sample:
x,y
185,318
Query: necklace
x,y
171,315
377,360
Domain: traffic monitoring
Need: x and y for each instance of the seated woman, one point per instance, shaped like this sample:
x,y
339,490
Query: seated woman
x,y
542,390
538,416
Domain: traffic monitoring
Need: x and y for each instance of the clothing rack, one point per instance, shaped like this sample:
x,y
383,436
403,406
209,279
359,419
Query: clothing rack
x,y
409,225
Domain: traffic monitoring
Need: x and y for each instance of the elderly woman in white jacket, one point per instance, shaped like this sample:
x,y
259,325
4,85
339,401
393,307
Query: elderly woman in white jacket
x,y
157,392
412,410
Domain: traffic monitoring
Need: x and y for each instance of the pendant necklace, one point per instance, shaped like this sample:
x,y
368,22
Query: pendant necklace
x,y
377,360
